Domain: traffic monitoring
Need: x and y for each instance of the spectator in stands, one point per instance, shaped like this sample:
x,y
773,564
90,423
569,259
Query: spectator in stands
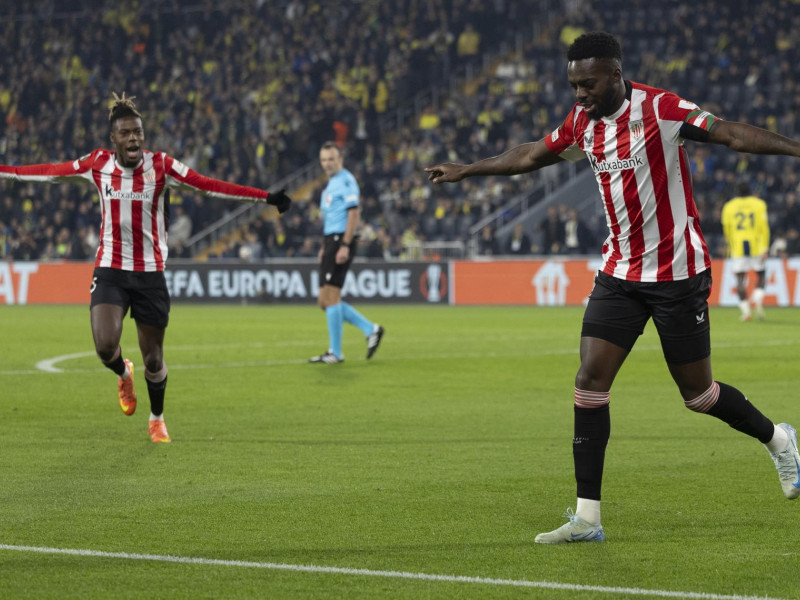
x,y
411,241
279,245
372,209
518,243
297,228
379,243
552,229
577,236
251,249
469,42
180,227
487,243
309,248
5,246
792,242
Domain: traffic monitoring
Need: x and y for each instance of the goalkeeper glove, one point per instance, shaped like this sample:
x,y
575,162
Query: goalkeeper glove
x,y
279,200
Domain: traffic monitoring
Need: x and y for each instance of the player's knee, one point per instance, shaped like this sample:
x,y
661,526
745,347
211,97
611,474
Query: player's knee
x,y
587,379
106,349
158,375
105,352
154,362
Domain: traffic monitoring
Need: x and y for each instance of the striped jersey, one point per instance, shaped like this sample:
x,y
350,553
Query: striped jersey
x,y
746,226
645,182
133,233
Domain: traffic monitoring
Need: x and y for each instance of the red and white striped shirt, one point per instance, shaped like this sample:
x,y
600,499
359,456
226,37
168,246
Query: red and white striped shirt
x,y
645,181
133,233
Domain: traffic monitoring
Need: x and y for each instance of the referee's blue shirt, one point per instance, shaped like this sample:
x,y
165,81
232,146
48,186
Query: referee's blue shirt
x,y
339,195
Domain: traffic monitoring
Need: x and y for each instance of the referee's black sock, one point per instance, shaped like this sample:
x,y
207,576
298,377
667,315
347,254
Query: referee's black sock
x,y
592,430
156,390
736,410
116,364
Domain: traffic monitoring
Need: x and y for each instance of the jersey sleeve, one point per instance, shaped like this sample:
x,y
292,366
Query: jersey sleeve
x,y
763,227
728,225
350,192
681,119
562,143
178,175
78,169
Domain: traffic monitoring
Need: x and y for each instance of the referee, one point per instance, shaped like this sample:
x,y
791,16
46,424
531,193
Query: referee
x,y
340,212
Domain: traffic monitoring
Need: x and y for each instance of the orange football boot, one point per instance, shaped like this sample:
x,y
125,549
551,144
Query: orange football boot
x,y
127,395
158,431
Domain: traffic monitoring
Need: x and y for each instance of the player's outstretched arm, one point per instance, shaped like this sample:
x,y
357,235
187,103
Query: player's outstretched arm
x,y
48,173
522,159
183,176
748,138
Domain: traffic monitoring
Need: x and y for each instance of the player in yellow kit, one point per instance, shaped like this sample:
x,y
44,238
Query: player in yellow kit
x,y
746,227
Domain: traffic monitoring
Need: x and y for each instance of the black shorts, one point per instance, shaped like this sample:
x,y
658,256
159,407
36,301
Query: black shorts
x,y
618,311
144,293
331,273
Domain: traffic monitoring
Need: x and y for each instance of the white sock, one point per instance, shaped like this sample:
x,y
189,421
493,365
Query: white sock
x,y
589,510
779,440
744,306
758,298
156,418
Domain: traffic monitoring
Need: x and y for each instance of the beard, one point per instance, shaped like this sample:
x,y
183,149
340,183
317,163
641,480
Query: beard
x,y
604,105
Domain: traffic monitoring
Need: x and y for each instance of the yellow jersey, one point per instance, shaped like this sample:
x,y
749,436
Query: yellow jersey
x,y
746,226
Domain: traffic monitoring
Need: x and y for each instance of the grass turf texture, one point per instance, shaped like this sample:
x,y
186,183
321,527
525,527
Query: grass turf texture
x,y
445,454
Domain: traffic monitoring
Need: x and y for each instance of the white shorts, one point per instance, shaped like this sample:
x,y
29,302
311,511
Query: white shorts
x,y
743,264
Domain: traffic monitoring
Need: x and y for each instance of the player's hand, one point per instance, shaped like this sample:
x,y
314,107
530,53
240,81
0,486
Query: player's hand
x,y
446,173
279,200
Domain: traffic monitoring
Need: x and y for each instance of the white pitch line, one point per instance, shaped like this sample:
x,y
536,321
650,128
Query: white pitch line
x,y
574,587
49,365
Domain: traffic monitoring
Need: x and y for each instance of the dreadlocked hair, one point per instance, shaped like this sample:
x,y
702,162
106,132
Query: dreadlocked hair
x,y
122,107
595,44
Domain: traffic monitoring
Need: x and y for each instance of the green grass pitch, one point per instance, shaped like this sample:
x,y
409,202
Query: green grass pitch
x,y
444,455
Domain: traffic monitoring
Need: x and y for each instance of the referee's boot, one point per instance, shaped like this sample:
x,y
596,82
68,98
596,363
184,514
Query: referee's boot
x,y
329,358
374,340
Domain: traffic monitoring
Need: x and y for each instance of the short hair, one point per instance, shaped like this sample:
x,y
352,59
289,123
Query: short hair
x,y
595,44
331,144
122,107
743,188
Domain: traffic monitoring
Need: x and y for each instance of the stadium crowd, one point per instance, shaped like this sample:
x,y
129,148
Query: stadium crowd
x,y
248,93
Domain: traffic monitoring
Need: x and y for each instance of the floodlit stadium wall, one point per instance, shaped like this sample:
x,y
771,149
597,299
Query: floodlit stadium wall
x,y
553,282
